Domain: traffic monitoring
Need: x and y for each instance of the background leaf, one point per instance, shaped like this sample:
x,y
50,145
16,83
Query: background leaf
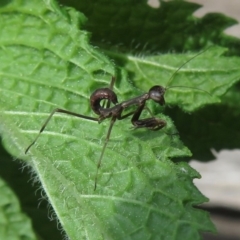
x,y
219,128
14,224
202,80
171,27
29,192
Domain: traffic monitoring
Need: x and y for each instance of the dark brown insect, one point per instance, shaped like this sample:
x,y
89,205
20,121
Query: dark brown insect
x,y
155,93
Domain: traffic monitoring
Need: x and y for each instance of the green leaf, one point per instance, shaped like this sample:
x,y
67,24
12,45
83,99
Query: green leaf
x,y
14,224
47,62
